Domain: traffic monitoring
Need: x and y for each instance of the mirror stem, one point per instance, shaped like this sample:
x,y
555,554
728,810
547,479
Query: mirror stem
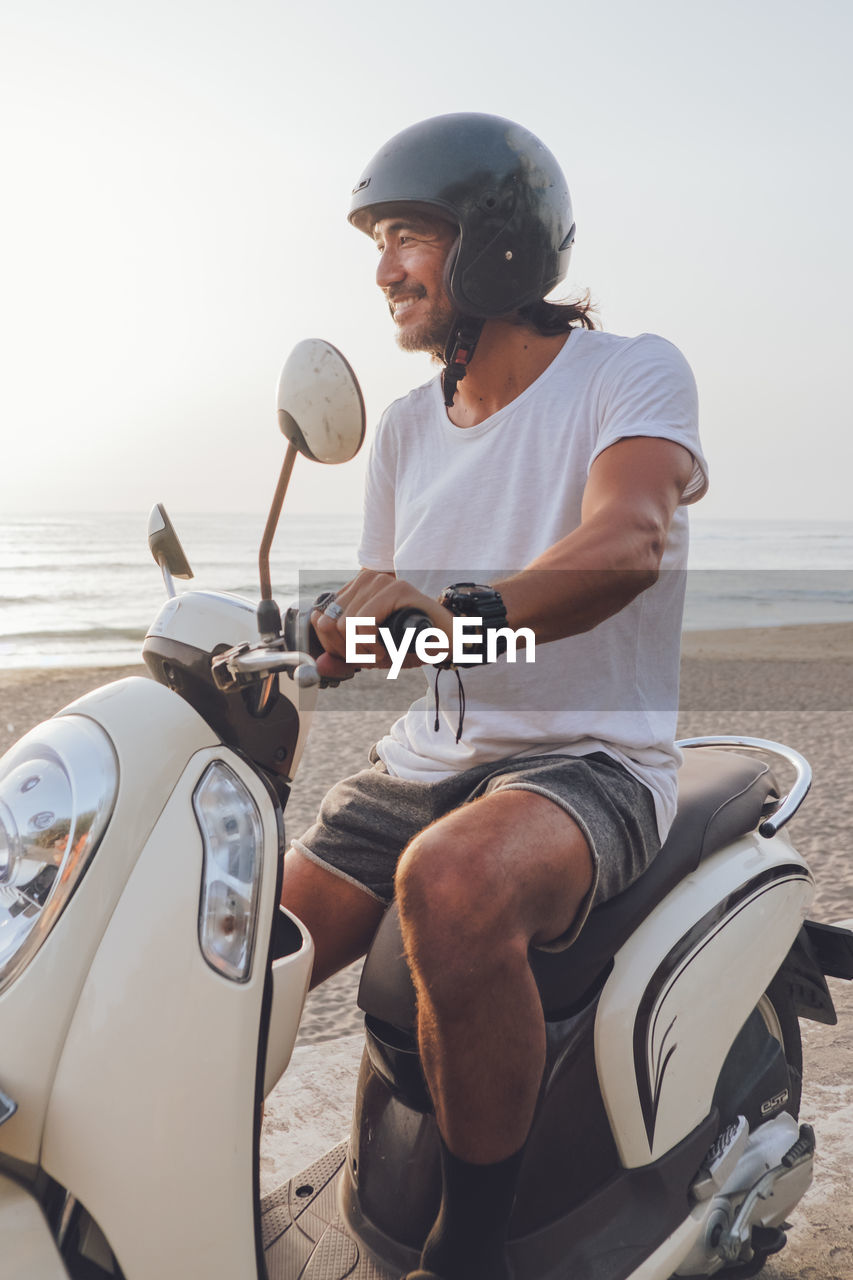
x,y
168,580
272,521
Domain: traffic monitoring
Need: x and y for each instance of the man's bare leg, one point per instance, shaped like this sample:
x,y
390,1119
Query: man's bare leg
x,y
340,917
475,890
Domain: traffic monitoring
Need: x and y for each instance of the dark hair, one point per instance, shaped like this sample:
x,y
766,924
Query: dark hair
x,y
550,318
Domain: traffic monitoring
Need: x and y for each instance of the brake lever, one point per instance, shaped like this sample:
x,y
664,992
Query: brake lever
x,y
245,664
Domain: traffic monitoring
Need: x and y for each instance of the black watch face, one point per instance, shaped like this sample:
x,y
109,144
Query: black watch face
x,y
467,597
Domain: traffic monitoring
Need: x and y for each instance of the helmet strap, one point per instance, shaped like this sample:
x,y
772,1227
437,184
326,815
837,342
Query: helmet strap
x,y
459,352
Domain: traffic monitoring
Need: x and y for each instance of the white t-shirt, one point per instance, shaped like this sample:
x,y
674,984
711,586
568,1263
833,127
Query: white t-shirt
x,y
446,504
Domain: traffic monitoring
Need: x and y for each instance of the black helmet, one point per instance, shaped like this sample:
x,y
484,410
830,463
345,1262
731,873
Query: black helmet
x,y
503,189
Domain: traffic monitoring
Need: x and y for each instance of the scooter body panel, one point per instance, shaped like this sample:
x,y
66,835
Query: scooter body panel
x,y
26,1246
152,1010
684,984
205,622
153,733
290,973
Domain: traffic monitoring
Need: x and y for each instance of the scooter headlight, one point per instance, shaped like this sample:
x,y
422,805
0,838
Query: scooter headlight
x,y
57,790
232,834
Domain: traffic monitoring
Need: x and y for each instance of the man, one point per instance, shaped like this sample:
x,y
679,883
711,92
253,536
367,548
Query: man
x,y
549,465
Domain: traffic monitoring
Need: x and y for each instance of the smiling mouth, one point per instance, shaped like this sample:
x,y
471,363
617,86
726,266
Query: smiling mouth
x,y
402,304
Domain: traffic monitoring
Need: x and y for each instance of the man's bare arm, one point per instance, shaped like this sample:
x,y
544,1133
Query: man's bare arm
x,y
632,492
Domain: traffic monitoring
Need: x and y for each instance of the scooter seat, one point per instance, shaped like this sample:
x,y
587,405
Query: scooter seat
x,y
721,795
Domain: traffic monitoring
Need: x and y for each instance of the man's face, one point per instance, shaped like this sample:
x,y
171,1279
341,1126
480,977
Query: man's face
x,y
413,250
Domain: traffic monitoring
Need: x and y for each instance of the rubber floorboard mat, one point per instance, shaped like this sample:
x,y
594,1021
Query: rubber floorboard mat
x,y
304,1236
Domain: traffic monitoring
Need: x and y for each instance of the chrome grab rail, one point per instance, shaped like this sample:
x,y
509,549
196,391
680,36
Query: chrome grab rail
x,y
789,803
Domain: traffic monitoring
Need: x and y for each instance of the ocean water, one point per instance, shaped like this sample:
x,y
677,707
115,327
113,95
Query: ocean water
x,y
80,590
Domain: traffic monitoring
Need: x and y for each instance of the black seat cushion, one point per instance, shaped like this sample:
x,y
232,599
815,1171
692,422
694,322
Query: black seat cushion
x,y
721,795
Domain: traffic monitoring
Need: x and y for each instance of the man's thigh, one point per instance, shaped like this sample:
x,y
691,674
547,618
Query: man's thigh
x,y
573,816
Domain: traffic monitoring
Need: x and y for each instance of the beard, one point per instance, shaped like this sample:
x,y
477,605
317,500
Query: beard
x,y
432,332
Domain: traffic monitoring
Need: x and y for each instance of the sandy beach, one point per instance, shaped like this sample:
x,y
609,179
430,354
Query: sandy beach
x,y
791,684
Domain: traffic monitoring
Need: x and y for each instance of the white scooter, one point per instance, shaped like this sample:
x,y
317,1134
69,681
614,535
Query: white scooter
x,y
151,989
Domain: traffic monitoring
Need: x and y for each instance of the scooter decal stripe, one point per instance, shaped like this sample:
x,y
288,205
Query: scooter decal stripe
x,y
674,963
660,1068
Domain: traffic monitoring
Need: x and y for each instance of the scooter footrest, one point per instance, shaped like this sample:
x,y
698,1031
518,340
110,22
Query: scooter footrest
x,y
765,1242
304,1235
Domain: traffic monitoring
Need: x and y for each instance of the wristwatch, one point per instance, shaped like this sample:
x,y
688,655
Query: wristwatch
x,y
470,600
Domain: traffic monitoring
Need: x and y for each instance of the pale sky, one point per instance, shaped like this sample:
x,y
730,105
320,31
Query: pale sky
x,y
176,181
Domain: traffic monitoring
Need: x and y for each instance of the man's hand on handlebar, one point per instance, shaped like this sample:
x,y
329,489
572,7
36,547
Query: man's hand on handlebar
x,y
374,596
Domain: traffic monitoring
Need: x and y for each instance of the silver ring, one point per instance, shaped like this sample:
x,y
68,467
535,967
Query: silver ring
x,y
333,610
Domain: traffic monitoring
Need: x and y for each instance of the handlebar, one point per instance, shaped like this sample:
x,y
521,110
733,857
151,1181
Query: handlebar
x,y
296,650
299,633
401,619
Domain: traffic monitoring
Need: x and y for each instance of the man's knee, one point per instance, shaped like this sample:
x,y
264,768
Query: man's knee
x,y
452,887
509,869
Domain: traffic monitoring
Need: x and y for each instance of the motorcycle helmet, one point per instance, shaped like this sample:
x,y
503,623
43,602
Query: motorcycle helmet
x,y
503,189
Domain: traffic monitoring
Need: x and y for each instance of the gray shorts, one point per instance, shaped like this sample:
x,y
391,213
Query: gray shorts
x,y
366,821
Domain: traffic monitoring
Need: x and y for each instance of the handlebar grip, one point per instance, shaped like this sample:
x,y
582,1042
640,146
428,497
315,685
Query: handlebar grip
x,y
299,633
398,622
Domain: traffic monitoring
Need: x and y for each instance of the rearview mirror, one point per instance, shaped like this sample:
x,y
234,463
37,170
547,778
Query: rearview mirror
x,y
319,401
165,547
